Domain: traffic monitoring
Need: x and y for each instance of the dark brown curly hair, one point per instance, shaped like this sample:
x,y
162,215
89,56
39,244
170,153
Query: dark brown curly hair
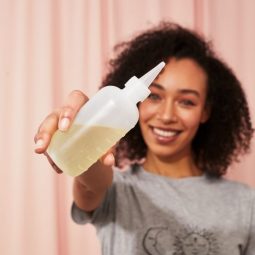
x,y
228,132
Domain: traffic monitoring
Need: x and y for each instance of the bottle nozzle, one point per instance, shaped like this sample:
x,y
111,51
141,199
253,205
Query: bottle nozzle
x,y
137,89
149,77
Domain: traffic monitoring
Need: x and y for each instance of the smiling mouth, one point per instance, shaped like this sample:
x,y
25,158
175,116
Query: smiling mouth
x,y
163,135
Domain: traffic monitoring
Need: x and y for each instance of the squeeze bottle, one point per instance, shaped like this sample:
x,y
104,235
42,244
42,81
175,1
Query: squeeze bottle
x,y
99,124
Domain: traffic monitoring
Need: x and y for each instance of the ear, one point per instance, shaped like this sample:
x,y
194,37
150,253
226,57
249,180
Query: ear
x,y
205,114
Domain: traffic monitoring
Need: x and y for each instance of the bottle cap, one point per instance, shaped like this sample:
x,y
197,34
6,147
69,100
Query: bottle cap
x,y
150,76
137,89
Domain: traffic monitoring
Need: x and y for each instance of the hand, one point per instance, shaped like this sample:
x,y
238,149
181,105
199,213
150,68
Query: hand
x,y
61,118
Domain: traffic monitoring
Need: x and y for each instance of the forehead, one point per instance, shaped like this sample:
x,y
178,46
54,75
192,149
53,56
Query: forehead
x,y
183,74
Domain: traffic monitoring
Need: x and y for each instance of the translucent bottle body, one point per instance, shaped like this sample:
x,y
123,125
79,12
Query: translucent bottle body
x,y
77,156
104,120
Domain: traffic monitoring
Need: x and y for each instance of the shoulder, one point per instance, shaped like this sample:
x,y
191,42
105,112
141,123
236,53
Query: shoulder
x,y
135,176
235,185
127,174
237,190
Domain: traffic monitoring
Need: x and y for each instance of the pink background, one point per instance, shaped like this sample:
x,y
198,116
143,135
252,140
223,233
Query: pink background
x,y
47,49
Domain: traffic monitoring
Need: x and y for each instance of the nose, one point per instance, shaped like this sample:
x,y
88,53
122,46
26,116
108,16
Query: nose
x,y
167,112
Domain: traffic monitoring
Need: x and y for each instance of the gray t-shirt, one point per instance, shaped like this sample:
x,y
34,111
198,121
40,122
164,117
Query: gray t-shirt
x,y
144,213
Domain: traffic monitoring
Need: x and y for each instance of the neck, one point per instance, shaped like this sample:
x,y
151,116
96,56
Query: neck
x,y
174,168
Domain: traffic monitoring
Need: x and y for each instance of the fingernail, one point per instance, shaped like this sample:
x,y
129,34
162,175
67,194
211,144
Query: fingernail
x,y
64,124
39,143
109,160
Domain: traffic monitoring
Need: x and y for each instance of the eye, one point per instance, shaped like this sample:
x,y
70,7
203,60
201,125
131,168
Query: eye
x,y
154,97
187,102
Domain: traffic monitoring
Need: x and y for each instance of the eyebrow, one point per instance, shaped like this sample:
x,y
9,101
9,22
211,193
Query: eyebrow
x,y
181,91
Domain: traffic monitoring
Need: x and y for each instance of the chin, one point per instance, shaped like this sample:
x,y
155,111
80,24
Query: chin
x,y
166,153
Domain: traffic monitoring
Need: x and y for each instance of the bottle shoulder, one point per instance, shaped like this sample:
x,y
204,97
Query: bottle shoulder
x,y
109,107
118,96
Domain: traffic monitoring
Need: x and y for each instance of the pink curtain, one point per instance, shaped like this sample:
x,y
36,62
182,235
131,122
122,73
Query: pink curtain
x,y
47,49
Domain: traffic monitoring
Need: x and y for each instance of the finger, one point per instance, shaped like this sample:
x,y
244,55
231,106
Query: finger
x,y
54,166
62,115
75,101
45,131
109,160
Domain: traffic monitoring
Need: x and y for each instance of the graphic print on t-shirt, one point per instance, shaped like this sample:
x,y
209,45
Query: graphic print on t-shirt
x,y
160,241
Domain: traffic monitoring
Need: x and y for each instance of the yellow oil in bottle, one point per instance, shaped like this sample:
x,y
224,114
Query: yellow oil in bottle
x,y
77,149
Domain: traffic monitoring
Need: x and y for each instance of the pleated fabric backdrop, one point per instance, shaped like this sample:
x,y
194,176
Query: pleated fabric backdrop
x,y
47,49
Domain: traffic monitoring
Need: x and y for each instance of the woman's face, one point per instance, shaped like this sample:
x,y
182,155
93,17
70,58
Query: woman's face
x,y
171,115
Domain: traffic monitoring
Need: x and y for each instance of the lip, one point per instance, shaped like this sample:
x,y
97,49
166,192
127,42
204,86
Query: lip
x,y
164,135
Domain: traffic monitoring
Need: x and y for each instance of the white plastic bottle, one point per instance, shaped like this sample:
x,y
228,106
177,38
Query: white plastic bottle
x,y
100,123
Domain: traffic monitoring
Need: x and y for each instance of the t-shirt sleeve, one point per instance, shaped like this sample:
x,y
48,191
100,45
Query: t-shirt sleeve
x,y
79,216
104,213
250,250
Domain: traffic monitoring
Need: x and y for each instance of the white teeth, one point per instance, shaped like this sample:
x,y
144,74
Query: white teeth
x,y
164,133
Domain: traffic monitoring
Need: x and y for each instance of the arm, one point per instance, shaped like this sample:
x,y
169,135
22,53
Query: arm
x,y
90,187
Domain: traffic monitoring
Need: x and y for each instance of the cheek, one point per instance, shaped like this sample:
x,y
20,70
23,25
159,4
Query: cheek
x,y
191,119
146,111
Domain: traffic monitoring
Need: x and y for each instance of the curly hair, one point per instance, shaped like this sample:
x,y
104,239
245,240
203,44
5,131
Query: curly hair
x,y
228,132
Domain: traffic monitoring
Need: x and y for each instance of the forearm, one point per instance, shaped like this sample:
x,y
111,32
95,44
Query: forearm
x,y
90,187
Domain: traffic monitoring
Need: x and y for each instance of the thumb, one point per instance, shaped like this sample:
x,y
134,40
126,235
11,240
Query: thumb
x,y
108,159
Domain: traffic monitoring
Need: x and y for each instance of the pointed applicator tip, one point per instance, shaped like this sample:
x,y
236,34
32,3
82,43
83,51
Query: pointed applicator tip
x,y
150,76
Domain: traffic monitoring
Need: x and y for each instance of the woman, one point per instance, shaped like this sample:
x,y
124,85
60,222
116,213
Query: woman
x,y
172,198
